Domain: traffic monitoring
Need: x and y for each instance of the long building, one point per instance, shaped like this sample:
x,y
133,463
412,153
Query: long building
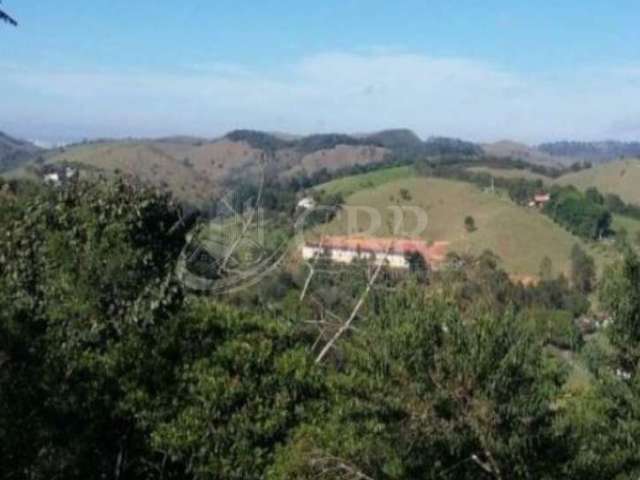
x,y
393,252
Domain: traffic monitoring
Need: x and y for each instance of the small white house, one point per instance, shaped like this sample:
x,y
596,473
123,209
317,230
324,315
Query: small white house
x,y
348,256
52,178
307,203
623,374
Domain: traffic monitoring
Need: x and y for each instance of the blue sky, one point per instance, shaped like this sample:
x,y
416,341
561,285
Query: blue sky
x,y
483,70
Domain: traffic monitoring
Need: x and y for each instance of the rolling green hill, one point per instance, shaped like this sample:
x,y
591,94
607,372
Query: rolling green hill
x,y
621,177
146,162
15,153
522,237
510,173
564,153
352,184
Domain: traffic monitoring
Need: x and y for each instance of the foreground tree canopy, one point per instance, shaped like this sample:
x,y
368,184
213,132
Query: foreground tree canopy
x,y
109,369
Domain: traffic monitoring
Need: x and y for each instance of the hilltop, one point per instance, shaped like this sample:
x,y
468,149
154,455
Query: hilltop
x,y
621,177
527,153
596,152
564,153
14,153
396,139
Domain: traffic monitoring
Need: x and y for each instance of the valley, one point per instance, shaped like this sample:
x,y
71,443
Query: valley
x,y
334,240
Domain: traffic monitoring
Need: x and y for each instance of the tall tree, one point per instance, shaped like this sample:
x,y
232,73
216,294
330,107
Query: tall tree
x,y
546,269
107,372
86,291
583,270
620,295
423,393
605,419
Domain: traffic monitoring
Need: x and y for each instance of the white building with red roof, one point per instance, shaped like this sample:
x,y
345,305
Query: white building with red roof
x,y
541,199
393,252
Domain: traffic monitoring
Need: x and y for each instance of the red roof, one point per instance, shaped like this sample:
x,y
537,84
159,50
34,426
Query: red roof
x,y
434,253
542,198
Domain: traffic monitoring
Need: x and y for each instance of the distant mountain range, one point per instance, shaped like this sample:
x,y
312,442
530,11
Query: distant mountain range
x,y
194,167
598,152
565,153
400,140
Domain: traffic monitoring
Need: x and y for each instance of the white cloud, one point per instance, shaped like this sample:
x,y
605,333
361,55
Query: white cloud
x,y
329,92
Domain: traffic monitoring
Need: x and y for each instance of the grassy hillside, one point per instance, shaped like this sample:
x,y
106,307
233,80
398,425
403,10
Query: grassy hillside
x,y
621,177
15,153
631,225
510,173
143,161
563,153
342,156
586,178
352,184
196,169
521,237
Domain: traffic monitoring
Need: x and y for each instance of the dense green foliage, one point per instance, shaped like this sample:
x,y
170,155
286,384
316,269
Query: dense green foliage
x,y
85,276
605,420
582,214
109,369
314,143
402,143
470,224
419,395
452,165
309,144
397,140
260,140
583,270
621,295
616,205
